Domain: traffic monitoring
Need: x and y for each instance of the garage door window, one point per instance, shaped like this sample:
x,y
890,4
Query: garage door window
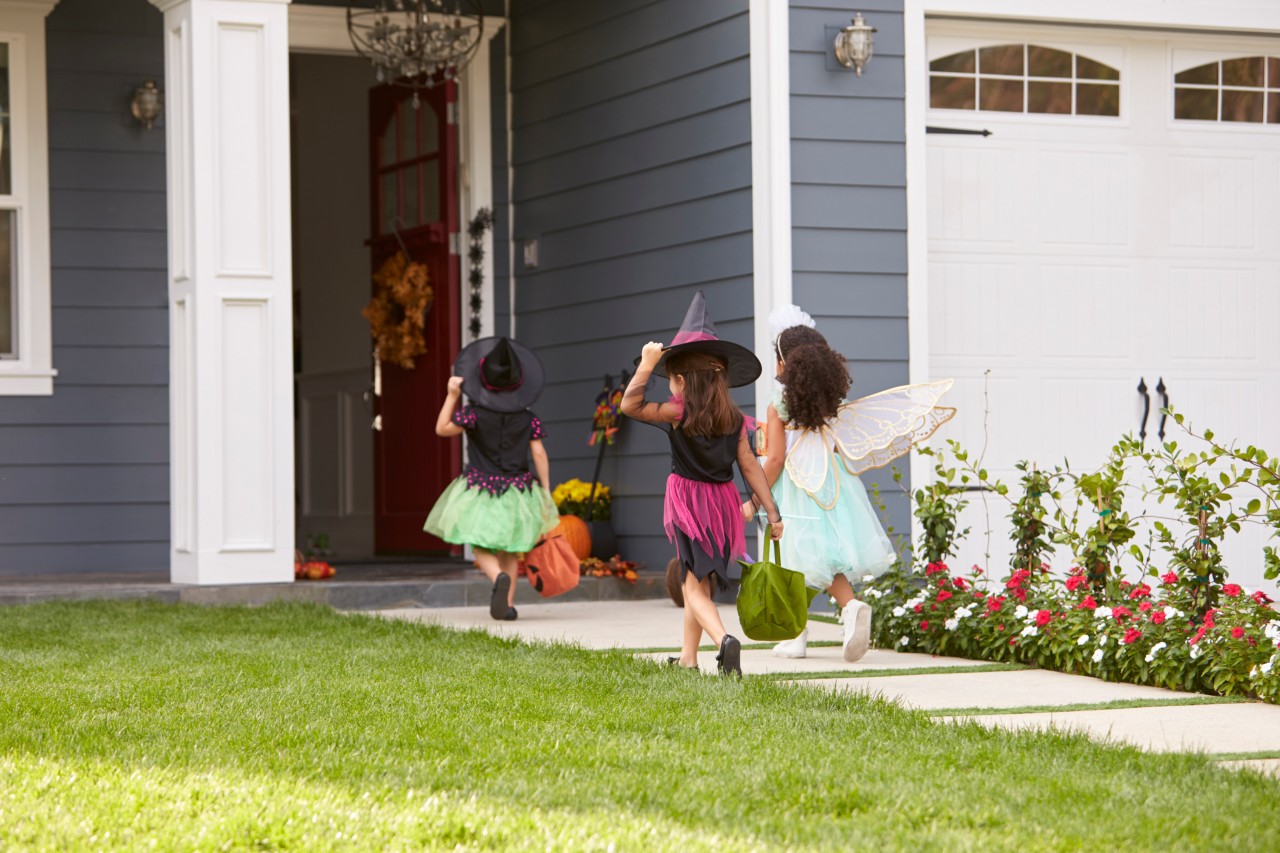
x,y
1024,78
1245,89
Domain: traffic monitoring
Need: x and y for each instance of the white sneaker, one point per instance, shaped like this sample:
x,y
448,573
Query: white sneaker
x,y
857,630
796,648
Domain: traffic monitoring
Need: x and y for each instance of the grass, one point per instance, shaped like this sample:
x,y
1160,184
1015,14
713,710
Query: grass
x,y
289,727
1113,705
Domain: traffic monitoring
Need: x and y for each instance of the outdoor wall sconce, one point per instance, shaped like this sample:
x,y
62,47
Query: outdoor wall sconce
x,y
147,103
854,43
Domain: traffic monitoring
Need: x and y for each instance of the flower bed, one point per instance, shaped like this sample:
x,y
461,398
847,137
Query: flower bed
x,y
1142,633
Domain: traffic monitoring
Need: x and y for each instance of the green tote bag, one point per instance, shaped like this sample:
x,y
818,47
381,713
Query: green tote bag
x,y
773,602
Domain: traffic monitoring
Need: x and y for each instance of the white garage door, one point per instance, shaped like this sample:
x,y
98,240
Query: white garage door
x,y
1120,226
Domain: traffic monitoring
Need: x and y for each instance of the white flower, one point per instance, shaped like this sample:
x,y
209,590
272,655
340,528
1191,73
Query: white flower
x,y
1266,667
1097,656
899,611
1084,638
1195,652
1020,612
875,593
1102,613
1102,640
904,641
1171,612
868,578
951,624
963,612
1030,631
1272,631
1151,655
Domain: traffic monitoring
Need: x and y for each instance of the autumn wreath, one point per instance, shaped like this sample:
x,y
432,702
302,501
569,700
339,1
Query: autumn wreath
x,y
397,314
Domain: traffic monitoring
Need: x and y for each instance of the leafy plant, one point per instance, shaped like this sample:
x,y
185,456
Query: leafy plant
x,y
937,507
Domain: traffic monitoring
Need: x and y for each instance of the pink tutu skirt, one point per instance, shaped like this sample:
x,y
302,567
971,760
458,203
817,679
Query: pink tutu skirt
x,y
704,522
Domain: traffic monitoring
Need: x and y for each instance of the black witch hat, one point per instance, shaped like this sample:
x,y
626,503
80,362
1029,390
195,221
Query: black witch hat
x,y
698,334
500,374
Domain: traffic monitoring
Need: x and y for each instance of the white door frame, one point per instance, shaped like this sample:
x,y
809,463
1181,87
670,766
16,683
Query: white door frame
x,y
323,30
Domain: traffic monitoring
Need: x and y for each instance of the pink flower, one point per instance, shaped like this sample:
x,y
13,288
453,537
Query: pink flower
x,y
1087,604
1237,632
1131,636
1075,582
1043,618
1157,618
1168,578
1013,641
1140,591
944,595
1230,590
1000,628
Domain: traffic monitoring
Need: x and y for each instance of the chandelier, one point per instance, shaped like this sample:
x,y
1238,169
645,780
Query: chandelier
x,y
410,42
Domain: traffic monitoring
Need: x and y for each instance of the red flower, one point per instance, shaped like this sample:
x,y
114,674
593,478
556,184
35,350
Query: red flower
x,y
1125,584
961,584
994,603
1169,577
1261,597
934,568
1087,604
944,595
1000,628
918,608
1075,582
1121,612
1231,590
976,570
1140,591
1199,634
924,626
1013,641
1020,594
1145,606
979,594
1043,617
1208,617
1237,632
1157,618
1131,636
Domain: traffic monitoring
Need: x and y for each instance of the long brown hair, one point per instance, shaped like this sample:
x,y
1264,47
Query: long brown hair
x,y
814,377
708,409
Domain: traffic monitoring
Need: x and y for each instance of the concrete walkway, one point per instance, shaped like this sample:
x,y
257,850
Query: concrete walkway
x,y
1248,732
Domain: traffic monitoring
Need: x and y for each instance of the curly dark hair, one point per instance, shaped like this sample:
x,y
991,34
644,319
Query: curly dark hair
x,y
814,377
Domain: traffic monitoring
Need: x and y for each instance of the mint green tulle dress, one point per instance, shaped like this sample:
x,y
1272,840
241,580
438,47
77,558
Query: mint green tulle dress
x,y
831,526
497,504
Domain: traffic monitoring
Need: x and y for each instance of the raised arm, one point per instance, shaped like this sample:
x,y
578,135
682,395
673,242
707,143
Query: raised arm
x,y
775,443
634,404
445,427
540,462
754,475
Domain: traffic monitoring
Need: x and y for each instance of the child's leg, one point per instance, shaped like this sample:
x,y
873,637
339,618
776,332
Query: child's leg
x,y
487,562
692,636
510,564
841,591
697,600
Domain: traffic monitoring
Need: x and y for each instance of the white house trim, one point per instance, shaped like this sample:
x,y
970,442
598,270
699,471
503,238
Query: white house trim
x,y
23,27
770,172
1229,15
231,359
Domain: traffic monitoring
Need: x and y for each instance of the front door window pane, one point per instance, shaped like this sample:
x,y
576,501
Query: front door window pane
x,y
6,126
8,282
409,192
388,201
431,192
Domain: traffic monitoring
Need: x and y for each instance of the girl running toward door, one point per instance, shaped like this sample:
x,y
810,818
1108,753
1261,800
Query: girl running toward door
x,y
497,506
817,445
708,434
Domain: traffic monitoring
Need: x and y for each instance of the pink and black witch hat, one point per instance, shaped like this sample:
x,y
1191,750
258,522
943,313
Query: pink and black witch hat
x,y
698,334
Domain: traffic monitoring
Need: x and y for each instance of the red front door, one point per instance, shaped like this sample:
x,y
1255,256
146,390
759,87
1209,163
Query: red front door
x,y
415,203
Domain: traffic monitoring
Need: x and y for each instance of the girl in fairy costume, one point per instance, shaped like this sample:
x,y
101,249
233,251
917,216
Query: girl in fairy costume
x,y
497,506
816,446
708,434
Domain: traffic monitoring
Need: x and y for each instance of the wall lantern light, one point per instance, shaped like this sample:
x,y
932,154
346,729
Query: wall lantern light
x,y
147,103
854,43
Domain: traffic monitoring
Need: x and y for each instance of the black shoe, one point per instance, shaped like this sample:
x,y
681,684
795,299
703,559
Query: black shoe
x,y
511,616
498,606
730,658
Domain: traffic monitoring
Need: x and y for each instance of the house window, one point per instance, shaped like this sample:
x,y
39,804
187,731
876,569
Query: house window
x,y
1244,89
1024,78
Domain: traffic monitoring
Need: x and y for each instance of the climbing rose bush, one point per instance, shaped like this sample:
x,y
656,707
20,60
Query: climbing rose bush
x,y
1142,633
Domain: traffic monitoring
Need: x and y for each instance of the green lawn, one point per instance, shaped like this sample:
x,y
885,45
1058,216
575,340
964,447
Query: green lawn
x,y
128,725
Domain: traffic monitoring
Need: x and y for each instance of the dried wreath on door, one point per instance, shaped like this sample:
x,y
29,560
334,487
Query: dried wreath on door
x,y
397,314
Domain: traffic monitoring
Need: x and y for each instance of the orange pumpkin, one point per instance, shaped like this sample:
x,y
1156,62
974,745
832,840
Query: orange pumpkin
x,y
575,533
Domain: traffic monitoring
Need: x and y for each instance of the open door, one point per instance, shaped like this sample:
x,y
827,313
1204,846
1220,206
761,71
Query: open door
x,y
413,158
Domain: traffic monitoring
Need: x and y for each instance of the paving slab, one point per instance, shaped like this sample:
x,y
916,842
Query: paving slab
x,y
1245,727
1013,689
1269,766
826,659
592,624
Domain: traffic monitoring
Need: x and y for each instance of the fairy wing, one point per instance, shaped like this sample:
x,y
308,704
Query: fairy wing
x,y
876,430
809,461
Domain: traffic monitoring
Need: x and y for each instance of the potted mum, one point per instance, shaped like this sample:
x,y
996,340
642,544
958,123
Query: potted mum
x,y
585,511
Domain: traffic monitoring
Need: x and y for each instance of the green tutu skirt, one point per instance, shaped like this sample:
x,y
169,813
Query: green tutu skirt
x,y
513,521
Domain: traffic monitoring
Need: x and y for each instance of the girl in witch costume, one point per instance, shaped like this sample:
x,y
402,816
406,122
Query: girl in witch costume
x,y
497,506
817,445
708,434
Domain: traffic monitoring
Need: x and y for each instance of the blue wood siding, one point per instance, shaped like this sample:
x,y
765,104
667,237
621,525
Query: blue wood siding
x,y
849,199
84,474
632,151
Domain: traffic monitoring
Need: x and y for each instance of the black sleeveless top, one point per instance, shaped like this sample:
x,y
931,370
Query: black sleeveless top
x,y
707,459
498,447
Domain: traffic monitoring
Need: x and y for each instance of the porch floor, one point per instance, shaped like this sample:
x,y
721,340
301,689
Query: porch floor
x,y
358,585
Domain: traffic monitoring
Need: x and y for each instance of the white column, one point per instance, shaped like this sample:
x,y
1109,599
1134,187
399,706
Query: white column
x,y
230,291
770,173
